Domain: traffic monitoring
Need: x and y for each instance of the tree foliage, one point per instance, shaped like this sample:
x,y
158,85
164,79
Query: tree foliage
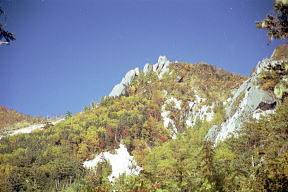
x,y
277,23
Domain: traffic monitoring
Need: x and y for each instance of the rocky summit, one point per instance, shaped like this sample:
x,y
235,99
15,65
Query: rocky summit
x,y
121,88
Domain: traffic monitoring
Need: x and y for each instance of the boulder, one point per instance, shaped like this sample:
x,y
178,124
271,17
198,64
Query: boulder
x,y
161,66
122,88
130,76
147,68
162,62
118,90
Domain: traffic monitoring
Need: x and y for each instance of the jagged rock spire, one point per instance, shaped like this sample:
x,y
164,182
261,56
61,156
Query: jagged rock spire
x,y
161,67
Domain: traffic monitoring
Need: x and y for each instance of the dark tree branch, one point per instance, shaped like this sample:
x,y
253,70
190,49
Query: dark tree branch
x,y
6,35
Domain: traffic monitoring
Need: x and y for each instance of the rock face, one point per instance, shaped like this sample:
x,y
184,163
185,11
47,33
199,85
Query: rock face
x,y
161,67
147,68
196,110
249,101
202,112
165,115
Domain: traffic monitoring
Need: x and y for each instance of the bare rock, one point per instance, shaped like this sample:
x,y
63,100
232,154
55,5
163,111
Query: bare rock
x,y
147,68
122,88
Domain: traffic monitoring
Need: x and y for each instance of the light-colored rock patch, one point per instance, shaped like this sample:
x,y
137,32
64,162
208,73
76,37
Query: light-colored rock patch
x,y
165,115
161,67
121,88
203,113
147,68
122,162
258,114
28,129
31,128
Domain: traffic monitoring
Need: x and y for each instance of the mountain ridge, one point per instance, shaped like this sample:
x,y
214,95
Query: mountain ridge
x,y
164,122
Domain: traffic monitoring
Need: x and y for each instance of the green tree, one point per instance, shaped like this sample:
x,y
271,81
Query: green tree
x,y
210,179
68,114
277,23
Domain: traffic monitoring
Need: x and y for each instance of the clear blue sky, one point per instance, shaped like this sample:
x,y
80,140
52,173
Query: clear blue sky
x,y
70,52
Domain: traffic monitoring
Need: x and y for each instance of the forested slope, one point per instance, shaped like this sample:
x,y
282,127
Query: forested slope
x,y
162,120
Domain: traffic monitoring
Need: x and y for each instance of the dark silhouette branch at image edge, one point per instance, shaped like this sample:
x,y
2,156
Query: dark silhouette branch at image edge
x,y
276,23
5,36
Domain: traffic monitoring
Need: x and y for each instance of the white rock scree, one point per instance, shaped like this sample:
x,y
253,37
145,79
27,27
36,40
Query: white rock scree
x,y
122,162
31,128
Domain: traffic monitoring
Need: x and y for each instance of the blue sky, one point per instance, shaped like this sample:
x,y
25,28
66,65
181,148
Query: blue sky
x,y
71,52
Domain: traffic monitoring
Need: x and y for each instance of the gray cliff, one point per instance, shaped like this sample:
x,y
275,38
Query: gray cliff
x,y
248,102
